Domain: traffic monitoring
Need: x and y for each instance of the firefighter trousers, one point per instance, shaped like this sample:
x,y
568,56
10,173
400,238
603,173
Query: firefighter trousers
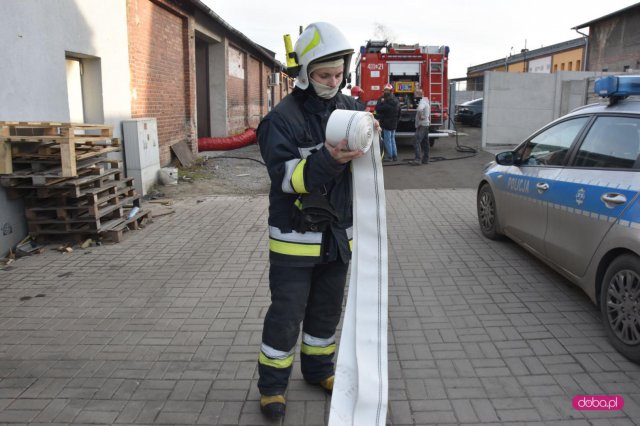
x,y
311,296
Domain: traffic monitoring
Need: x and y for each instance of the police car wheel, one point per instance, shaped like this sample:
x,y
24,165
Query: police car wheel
x,y
620,305
487,213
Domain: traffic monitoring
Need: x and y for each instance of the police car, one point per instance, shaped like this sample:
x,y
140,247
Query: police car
x,y
569,194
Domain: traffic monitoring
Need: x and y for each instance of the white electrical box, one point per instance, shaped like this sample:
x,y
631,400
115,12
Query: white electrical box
x,y
141,152
274,79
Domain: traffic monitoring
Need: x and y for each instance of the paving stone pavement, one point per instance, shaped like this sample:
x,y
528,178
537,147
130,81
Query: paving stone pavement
x,y
165,327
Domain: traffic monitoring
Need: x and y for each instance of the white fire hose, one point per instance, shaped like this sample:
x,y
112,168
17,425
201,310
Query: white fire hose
x,y
360,391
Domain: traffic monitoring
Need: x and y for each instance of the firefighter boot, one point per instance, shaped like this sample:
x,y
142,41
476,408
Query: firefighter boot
x,y
273,406
327,384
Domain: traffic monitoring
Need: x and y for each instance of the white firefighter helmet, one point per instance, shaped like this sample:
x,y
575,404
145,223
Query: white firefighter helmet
x,y
321,42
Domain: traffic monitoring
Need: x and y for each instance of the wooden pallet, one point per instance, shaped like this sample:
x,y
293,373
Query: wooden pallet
x,y
66,143
89,189
43,185
50,153
92,204
118,229
111,230
28,178
82,223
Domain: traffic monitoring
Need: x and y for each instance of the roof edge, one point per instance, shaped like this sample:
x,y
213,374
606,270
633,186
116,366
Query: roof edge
x,y
266,53
586,24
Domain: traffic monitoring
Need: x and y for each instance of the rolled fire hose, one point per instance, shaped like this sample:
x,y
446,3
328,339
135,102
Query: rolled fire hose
x,y
360,390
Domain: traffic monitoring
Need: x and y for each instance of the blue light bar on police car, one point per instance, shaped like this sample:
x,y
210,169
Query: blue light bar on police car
x,y
618,86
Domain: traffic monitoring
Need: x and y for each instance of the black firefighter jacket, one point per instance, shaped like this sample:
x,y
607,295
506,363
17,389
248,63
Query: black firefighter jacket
x,y
291,139
388,112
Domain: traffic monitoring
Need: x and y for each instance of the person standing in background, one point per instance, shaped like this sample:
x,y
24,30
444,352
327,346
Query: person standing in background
x,y
421,144
388,113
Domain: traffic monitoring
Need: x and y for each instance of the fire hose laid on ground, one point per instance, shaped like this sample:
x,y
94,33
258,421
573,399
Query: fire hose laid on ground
x,y
228,142
360,392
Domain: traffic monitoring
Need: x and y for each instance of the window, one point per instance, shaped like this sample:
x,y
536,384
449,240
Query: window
x,y
550,147
562,66
74,90
612,142
84,88
570,66
578,65
555,67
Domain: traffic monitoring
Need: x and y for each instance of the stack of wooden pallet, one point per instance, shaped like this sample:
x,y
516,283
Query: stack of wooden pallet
x,y
69,186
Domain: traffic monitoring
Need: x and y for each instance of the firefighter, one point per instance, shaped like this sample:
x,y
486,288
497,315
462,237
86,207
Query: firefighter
x,y
357,92
310,219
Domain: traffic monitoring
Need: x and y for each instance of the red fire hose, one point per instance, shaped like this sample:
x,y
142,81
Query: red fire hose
x,y
228,142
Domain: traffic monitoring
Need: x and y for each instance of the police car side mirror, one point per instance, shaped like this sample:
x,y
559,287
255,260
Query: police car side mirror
x,y
506,158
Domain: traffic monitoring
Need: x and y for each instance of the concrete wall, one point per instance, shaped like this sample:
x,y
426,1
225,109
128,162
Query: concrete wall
x,y
573,94
463,96
13,226
36,37
211,34
516,105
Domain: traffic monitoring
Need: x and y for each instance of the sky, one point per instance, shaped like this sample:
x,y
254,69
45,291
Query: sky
x,y
476,31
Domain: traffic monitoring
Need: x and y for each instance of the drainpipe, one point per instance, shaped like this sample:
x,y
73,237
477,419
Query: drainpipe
x,y
585,55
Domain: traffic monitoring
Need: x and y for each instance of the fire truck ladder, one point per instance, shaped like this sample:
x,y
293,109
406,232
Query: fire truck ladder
x,y
436,90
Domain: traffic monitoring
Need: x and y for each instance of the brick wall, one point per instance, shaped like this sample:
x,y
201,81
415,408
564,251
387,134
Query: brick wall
x,y
256,95
285,87
236,93
162,58
247,90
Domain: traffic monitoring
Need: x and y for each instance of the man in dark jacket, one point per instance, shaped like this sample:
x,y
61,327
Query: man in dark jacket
x,y
310,219
388,113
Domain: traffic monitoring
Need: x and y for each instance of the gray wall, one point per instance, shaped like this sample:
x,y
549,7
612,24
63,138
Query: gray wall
x,y
467,95
515,105
13,227
518,104
36,37
218,45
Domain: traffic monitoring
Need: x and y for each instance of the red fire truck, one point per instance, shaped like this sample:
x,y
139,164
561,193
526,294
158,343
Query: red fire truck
x,y
413,71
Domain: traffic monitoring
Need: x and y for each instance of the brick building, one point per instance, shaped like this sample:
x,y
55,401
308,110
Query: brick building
x,y
162,70
565,56
105,62
613,43
196,74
